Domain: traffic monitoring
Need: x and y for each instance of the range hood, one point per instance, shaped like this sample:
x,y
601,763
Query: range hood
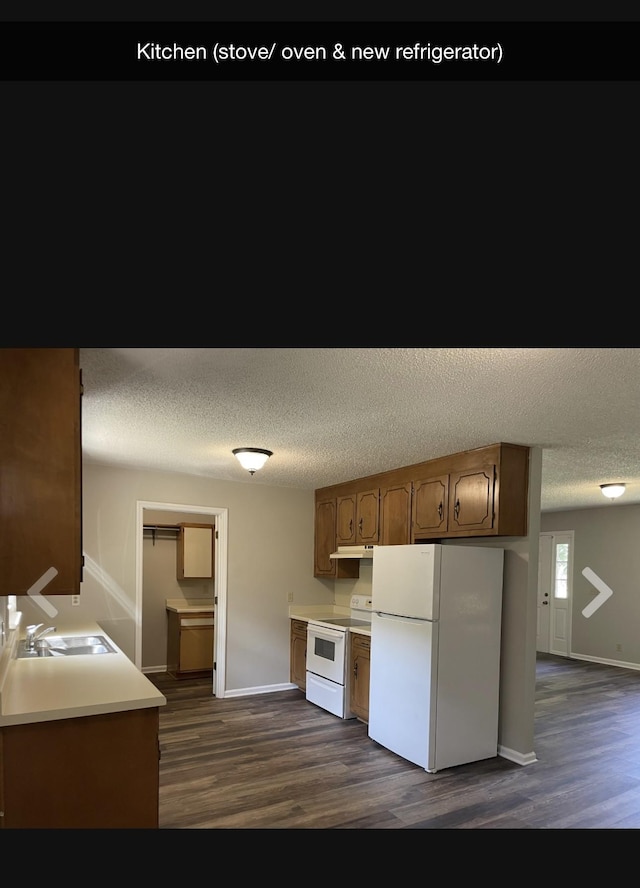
x,y
353,552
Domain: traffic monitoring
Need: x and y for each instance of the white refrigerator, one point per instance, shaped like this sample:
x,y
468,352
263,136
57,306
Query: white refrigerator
x,y
435,652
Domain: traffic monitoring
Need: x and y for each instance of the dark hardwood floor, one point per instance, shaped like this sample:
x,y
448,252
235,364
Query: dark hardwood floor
x,y
275,761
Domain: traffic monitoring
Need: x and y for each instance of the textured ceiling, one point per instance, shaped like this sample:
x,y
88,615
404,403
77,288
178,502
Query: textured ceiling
x,y
333,414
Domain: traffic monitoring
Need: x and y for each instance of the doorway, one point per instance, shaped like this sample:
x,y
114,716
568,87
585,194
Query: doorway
x,y
555,573
219,583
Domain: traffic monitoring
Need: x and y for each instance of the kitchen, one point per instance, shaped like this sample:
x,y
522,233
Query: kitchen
x,y
432,639
276,526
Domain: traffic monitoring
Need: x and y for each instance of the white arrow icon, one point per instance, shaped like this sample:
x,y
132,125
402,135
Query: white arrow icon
x,y
604,592
40,600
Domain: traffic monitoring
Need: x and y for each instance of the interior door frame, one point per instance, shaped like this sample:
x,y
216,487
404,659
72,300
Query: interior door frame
x,y
219,582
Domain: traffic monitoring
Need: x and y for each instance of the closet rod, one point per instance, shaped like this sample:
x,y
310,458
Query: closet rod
x,y
154,527
160,527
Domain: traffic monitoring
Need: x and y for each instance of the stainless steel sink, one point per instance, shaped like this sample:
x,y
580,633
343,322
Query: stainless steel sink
x,y
67,646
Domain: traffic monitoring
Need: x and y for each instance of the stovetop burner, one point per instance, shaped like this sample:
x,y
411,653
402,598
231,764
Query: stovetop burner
x,y
360,615
346,622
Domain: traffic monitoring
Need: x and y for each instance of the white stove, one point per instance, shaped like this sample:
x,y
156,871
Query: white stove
x,y
328,674
360,615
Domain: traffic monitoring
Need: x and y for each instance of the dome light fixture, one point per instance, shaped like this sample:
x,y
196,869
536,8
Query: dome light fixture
x,y
251,458
613,491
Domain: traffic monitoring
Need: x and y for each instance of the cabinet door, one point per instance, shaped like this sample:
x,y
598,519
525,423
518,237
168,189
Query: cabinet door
x,y
471,501
360,669
325,538
298,654
90,772
357,518
430,507
195,551
395,515
196,644
40,456
346,520
368,516
190,643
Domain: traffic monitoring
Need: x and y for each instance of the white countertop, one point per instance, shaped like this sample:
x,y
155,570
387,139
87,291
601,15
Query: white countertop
x,y
361,630
190,605
49,688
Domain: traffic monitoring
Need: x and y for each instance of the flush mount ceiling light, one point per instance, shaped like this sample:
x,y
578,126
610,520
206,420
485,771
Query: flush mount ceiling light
x,y
252,458
613,491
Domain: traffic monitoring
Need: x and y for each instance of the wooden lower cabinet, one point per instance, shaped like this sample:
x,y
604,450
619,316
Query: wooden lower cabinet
x,y
190,644
298,654
360,664
93,772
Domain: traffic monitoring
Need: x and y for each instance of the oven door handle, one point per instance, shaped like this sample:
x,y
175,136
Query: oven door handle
x,y
321,632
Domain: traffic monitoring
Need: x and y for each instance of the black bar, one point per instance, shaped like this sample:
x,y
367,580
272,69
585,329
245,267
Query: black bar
x,y
319,51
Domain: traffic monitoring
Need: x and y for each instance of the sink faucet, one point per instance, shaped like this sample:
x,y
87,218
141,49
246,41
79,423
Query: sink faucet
x,y
30,640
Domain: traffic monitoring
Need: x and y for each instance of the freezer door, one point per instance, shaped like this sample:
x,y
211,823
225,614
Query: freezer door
x,y
405,580
402,686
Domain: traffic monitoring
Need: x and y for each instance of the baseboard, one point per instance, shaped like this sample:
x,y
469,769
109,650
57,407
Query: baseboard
x,y
605,661
264,689
517,758
238,692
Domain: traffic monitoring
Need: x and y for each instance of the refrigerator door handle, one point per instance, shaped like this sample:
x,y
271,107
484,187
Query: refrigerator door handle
x,y
387,616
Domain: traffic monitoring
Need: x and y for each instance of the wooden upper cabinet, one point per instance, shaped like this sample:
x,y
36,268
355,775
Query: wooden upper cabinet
x,y
325,544
471,500
395,515
430,507
346,520
368,517
358,518
474,493
195,553
489,498
325,538
40,455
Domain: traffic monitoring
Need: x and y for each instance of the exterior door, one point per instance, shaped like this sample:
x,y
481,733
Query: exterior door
x,y
544,593
555,571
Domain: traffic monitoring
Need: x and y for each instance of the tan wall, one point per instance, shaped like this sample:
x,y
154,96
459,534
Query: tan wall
x,y
606,541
